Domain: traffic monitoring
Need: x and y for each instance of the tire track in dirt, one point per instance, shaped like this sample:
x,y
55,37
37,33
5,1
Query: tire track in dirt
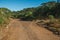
x,y
31,35
42,33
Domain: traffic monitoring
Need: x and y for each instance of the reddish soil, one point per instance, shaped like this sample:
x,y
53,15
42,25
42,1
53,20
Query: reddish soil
x,y
26,30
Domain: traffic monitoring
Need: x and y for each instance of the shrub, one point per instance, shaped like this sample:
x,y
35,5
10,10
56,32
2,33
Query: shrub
x,y
51,18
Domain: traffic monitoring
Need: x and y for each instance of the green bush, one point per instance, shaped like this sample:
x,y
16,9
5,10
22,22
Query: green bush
x,y
5,14
1,20
52,19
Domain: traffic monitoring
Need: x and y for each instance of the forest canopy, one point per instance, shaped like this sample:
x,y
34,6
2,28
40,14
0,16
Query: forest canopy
x,y
40,12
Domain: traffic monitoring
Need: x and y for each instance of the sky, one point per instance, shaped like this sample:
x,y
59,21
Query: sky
x,y
15,5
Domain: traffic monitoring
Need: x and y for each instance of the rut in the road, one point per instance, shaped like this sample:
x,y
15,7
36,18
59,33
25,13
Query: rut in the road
x,y
31,35
26,30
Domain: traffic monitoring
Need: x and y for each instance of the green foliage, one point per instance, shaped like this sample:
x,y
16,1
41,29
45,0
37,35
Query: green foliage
x,y
40,12
1,20
5,14
51,17
25,14
49,8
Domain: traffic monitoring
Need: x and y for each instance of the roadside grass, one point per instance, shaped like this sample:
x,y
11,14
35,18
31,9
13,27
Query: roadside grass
x,y
53,26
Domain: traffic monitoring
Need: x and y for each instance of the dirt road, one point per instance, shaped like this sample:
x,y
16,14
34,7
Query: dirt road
x,y
26,30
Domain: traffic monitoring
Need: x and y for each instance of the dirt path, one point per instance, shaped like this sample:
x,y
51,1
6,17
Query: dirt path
x,y
23,30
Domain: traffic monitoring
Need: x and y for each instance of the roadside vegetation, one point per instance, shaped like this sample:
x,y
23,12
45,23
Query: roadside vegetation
x,y
47,11
5,15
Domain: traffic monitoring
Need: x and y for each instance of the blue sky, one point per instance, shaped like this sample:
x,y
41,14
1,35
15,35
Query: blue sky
x,y
20,4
